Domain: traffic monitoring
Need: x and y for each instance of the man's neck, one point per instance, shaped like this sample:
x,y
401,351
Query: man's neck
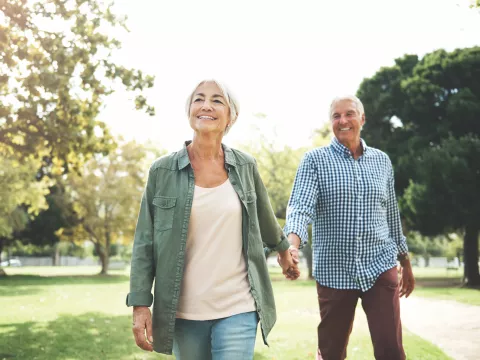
x,y
356,149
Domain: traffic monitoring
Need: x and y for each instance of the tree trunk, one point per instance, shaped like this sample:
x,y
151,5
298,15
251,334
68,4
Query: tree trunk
x,y
307,252
56,255
3,242
103,255
470,255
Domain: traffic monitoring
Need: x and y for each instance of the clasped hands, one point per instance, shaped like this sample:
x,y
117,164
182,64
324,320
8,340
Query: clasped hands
x,y
288,260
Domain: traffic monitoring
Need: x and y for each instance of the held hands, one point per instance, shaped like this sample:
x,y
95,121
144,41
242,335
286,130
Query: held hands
x,y
289,260
142,323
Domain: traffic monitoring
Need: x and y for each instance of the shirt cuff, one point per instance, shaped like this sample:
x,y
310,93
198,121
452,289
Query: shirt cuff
x,y
402,246
302,234
142,298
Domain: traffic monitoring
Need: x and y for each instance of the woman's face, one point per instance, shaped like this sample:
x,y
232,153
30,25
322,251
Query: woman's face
x,y
209,111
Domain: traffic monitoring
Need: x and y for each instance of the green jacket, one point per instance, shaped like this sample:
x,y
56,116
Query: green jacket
x,y
161,235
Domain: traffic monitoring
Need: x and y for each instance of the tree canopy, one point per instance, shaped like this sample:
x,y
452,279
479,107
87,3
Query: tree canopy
x,y
424,113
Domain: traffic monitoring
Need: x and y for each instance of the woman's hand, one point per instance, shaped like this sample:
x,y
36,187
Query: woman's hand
x,y
288,264
142,325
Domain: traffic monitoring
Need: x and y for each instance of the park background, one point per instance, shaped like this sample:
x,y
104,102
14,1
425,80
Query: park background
x,y
92,92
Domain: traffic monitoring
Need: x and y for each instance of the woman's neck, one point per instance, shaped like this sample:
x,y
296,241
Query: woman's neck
x,y
205,148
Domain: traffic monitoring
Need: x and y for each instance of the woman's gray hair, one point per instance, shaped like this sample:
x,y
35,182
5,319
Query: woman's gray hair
x,y
352,98
230,98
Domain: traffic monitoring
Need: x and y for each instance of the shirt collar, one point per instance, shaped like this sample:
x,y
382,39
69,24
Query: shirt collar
x,y
342,149
184,160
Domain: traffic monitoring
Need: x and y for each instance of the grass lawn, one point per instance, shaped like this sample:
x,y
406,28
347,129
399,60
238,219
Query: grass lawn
x,y
59,316
443,284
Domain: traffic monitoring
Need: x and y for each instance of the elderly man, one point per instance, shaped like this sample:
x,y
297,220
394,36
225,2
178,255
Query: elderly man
x,y
347,190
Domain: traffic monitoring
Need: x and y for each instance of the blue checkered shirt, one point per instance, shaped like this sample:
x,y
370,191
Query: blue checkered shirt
x,y
357,233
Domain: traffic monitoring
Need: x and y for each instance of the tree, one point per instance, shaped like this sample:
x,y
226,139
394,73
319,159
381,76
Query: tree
x,y
55,73
53,82
18,186
448,200
277,165
424,113
43,229
106,198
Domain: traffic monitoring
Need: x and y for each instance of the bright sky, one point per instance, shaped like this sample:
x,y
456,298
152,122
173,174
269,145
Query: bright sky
x,y
286,59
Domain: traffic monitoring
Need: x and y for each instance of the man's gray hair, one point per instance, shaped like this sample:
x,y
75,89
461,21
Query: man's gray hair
x,y
352,98
230,98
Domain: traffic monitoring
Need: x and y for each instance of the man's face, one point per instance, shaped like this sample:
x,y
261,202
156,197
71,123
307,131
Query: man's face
x,y
347,122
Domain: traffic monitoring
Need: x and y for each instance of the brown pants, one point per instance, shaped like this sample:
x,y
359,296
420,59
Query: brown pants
x,y
381,305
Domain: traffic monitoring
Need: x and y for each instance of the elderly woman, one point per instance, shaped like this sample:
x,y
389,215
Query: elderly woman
x,y
204,219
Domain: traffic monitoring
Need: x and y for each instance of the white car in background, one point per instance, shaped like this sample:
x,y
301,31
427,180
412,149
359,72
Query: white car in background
x,y
11,262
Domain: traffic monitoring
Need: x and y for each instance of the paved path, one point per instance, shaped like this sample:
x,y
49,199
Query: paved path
x,y
452,326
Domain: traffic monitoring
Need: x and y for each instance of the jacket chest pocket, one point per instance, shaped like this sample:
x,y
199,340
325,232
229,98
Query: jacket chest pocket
x,y
250,201
164,207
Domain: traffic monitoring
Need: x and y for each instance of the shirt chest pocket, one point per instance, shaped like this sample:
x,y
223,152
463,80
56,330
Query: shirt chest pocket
x,y
164,210
250,201
250,197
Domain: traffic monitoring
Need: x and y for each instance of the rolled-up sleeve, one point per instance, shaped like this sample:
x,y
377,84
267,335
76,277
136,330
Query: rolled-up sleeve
x,y
393,216
303,200
142,270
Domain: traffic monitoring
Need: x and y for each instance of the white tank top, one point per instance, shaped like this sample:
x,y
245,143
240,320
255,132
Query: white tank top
x,y
215,283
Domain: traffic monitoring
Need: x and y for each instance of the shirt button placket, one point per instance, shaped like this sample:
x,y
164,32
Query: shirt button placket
x,y
359,218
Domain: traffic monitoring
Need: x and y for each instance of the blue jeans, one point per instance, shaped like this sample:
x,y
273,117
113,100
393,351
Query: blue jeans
x,y
231,338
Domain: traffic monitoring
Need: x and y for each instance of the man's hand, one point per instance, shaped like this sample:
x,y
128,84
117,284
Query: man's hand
x,y
142,322
407,280
294,252
288,264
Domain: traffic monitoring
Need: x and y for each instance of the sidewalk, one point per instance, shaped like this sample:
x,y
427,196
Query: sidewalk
x,y
452,326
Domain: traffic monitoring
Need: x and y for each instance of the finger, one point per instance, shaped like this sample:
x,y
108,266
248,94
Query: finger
x,y
400,286
293,268
149,331
293,274
294,253
293,277
140,339
410,289
404,288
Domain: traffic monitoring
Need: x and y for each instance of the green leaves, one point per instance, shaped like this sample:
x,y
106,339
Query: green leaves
x,y
58,63
436,150
56,71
